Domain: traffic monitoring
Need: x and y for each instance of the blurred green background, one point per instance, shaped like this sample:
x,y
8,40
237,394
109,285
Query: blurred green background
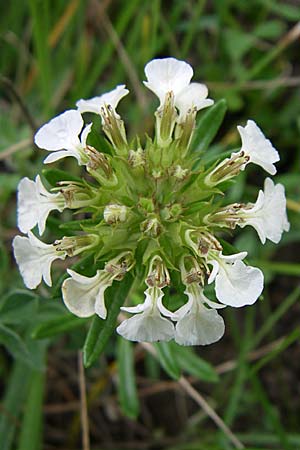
x,y
55,52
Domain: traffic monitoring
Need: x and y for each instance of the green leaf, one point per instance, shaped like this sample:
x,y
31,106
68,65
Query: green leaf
x,y
167,359
207,127
31,429
12,403
18,306
127,389
14,344
194,365
59,325
97,140
101,330
53,176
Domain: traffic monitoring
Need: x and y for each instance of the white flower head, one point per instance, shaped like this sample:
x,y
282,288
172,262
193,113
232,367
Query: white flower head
x,y
110,98
235,283
35,203
147,324
61,136
34,259
196,323
257,147
172,75
268,214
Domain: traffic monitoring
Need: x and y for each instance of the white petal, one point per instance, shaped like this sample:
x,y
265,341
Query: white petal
x,y
268,214
34,259
100,308
199,327
95,104
59,155
79,293
35,203
238,285
194,95
27,205
258,147
61,132
146,327
166,75
85,133
214,271
84,296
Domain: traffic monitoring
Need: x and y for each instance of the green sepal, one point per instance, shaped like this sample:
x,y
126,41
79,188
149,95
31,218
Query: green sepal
x,y
97,140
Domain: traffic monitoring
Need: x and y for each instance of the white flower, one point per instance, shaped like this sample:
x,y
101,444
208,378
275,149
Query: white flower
x,y
60,135
197,324
147,325
110,98
84,296
257,147
171,75
235,283
35,203
268,214
34,259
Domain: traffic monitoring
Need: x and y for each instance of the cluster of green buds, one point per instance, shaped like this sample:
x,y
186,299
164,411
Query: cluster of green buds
x,y
147,207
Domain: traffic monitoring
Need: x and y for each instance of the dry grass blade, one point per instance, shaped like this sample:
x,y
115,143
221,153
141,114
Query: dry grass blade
x,y
9,151
195,395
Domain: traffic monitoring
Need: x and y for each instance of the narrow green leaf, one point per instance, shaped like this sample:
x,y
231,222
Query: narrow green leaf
x,y
14,344
167,359
127,389
194,365
18,306
59,325
101,330
16,391
31,429
53,176
207,127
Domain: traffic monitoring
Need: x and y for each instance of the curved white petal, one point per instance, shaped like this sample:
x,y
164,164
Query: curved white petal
x,y
268,214
85,133
59,155
35,203
238,285
166,75
79,293
258,147
84,296
95,104
192,96
34,259
200,326
146,327
61,132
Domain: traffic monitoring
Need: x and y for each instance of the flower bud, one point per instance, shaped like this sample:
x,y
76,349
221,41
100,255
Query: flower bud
x,y
115,213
